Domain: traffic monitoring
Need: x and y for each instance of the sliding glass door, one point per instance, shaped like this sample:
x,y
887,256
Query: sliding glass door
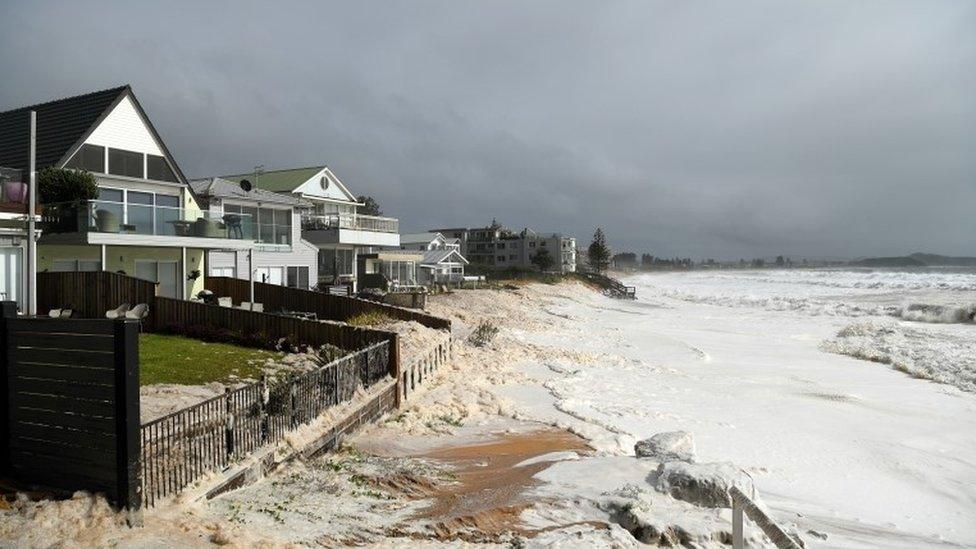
x,y
166,273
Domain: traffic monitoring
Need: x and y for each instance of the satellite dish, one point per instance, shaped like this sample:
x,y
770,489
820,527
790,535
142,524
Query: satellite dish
x,y
324,182
245,185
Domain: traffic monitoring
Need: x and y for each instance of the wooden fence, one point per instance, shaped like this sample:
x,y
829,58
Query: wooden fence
x,y
90,294
179,448
71,406
174,315
331,307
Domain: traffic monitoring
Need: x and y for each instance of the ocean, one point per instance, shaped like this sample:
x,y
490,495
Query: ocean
x,y
920,320
848,394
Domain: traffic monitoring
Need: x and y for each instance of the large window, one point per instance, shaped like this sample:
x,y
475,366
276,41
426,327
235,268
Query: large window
x,y
159,169
298,277
89,158
140,212
127,163
273,226
334,263
401,272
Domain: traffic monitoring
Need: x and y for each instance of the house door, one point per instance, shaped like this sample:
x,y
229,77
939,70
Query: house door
x,y
11,275
166,273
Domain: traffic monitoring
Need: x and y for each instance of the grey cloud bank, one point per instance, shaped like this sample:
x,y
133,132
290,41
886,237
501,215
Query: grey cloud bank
x,y
706,129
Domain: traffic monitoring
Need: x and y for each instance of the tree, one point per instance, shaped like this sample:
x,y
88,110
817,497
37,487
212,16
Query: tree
x,y
542,259
56,185
370,205
625,260
599,253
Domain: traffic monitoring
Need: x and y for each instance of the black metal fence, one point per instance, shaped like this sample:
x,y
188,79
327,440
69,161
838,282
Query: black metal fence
x,y
183,446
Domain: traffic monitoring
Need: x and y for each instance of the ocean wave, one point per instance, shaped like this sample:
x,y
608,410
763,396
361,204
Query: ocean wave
x,y
938,314
922,353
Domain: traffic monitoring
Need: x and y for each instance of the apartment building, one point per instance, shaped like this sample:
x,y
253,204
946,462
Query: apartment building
x,y
495,247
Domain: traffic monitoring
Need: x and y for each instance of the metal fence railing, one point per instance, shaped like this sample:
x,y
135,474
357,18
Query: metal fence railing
x,y
181,447
351,221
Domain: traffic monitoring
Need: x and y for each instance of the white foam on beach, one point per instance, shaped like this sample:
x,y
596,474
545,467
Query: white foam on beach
x,y
859,451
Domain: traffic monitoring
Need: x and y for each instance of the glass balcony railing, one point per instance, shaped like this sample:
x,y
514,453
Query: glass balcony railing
x,y
101,216
351,221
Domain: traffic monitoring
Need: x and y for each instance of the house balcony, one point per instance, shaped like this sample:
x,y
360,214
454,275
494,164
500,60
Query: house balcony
x,y
118,224
354,229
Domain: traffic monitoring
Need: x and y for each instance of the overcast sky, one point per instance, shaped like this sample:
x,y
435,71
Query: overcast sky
x,y
705,129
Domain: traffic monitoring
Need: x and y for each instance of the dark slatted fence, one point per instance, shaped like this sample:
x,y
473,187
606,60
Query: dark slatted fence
x,y
90,294
72,405
331,307
171,314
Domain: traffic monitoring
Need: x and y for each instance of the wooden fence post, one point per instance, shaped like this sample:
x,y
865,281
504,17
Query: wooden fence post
x,y
394,353
127,421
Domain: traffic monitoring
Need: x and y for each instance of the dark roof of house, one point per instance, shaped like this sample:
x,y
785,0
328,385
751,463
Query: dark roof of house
x,y
278,180
62,125
221,188
433,257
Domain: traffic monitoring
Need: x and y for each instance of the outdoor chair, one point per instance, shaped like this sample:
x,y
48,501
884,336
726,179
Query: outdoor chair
x,y
66,313
118,312
139,312
54,313
233,223
225,301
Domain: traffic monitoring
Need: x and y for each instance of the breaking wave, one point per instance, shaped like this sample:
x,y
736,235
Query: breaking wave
x,y
938,314
937,356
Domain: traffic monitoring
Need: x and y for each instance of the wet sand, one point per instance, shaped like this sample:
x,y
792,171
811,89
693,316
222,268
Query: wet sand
x,y
492,478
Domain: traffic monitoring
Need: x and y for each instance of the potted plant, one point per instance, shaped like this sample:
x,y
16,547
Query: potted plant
x,y
62,192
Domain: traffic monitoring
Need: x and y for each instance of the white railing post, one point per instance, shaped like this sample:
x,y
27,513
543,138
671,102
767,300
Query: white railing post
x,y
738,539
741,504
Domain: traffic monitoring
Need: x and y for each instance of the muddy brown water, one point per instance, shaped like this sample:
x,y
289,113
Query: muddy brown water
x,y
489,489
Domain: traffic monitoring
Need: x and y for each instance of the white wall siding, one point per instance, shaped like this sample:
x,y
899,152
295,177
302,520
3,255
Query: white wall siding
x,y
124,129
313,187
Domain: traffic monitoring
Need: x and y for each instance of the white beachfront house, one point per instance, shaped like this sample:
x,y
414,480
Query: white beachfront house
x,y
423,259
441,261
280,255
146,221
333,223
440,266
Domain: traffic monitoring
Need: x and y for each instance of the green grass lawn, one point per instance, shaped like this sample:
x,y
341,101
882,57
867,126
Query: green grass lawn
x,y
174,359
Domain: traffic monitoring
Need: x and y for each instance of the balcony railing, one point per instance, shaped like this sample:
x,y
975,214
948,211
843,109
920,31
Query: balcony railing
x,y
101,216
351,221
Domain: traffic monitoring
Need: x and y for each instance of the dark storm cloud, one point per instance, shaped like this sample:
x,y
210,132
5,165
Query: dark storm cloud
x,y
720,129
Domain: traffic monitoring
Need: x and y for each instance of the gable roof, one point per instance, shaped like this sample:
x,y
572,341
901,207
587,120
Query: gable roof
x,y
62,126
217,187
434,257
278,180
